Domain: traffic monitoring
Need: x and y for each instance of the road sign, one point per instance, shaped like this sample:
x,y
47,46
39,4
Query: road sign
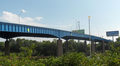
x,y
82,31
112,33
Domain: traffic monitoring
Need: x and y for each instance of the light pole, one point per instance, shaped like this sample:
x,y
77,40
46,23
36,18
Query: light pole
x,y
19,15
89,34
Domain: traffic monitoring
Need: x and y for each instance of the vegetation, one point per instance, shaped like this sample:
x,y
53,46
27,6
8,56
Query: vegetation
x,y
21,56
45,48
109,58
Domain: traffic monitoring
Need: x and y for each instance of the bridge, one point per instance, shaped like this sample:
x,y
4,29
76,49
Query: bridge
x,y
10,30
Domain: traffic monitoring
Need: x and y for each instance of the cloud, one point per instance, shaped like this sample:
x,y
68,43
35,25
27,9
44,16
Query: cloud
x,y
38,18
7,16
26,19
13,18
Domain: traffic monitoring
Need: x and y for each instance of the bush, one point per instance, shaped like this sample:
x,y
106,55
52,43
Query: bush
x,y
109,58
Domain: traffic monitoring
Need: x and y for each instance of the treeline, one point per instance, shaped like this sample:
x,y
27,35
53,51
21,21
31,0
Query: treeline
x,y
48,48
45,48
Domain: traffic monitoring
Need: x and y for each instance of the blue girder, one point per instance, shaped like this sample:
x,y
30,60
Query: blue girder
x,y
10,30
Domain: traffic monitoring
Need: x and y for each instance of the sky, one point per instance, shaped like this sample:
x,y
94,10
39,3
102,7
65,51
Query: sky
x,y
62,14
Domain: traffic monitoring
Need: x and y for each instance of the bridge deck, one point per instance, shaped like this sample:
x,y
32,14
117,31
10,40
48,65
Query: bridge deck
x,y
10,30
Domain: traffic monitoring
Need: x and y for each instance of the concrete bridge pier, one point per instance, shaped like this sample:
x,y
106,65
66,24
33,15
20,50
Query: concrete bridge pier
x,y
7,47
92,46
85,46
66,46
59,48
103,46
95,47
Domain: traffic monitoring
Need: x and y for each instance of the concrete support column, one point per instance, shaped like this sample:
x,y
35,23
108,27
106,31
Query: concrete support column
x,y
59,48
7,48
66,46
85,46
92,46
95,47
103,46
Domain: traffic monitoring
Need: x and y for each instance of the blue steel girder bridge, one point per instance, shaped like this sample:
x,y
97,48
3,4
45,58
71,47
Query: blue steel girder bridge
x,y
10,30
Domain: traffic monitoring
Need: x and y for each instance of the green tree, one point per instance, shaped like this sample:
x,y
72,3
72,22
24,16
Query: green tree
x,y
12,45
118,39
2,46
18,44
26,51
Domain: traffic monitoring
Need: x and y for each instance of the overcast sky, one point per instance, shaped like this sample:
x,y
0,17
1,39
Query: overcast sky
x,y
59,14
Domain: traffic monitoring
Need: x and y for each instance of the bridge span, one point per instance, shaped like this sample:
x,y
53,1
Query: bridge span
x,y
10,30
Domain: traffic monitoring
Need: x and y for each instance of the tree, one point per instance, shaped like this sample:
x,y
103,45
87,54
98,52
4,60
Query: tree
x,y
118,39
12,45
26,51
2,46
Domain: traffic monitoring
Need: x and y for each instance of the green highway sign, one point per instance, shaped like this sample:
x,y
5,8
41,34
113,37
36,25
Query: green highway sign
x,y
82,31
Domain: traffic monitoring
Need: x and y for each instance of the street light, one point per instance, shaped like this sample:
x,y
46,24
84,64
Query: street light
x,y
19,15
89,34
